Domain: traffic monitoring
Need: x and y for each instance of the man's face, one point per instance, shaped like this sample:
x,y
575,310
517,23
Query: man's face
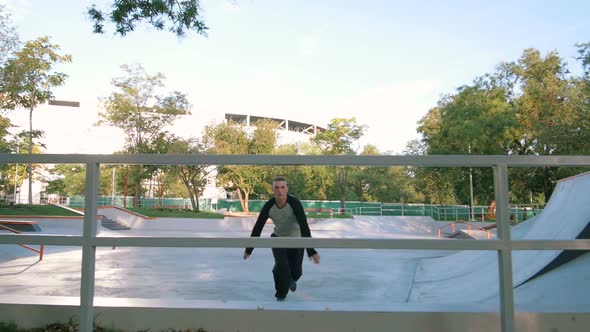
x,y
280,189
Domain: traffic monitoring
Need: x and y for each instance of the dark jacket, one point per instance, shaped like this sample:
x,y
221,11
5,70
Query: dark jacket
x,y
299,215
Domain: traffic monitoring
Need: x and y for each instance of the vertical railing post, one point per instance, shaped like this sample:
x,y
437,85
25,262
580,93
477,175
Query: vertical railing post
x,y
504,254
88,250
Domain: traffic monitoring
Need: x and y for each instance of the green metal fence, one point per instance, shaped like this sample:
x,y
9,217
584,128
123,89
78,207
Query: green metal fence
x,y
205,204
437,212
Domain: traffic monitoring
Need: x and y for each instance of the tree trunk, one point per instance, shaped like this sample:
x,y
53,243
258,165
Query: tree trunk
x,y
242,201
194,201
547,184
196,196
342,179
137,184
125,187
246,198
137,194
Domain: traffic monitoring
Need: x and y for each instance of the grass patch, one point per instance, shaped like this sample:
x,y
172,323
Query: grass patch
x,y
11,209
176,213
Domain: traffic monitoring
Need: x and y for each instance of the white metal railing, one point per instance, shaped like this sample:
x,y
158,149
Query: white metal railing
x,y
443,213
503,245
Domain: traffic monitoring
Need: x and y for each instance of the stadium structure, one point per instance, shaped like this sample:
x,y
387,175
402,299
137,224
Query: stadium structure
x,y
289,131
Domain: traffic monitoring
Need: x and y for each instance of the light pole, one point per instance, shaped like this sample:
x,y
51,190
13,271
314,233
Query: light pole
x,y
52,102
471,187
16,170
113,188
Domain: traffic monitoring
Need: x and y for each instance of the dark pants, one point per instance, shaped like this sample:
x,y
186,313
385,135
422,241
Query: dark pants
x,y
288,265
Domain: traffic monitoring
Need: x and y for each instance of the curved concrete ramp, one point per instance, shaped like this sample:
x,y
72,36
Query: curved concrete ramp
x,y
564,218
376,227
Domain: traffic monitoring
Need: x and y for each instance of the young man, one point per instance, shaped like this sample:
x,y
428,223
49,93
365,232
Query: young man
x,y
289,219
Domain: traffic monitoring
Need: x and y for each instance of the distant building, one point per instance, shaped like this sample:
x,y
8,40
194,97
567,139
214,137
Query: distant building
x,y
290,131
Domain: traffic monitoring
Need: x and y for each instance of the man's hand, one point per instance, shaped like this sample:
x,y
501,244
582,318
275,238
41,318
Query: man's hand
x,y
246,255
315,258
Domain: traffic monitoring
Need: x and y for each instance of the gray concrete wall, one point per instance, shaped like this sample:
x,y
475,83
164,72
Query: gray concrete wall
x,y
215,320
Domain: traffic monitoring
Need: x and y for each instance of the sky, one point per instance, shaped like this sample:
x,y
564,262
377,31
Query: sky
x,y
386,63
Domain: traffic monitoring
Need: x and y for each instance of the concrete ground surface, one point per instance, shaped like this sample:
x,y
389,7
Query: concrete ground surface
x,y
353,279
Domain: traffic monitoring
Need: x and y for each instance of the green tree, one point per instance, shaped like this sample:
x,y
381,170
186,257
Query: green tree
x,y
193,177
579,97
478,119
178,16
27,80
340,138
8,36
528,107
545,115
143,115
70,179
584,57
305,182
382,184
234,138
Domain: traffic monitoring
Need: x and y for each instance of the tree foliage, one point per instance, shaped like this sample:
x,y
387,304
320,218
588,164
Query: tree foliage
x,y
177,16
527,107
193,177
381,184
138,109
143,114
234,138
27,80
309,182
341,137
8,36
27,77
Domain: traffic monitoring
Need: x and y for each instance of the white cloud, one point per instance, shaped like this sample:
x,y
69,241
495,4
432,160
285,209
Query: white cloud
x,y
18,9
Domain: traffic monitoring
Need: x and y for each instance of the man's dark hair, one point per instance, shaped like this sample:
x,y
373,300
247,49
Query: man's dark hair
x,y
279,178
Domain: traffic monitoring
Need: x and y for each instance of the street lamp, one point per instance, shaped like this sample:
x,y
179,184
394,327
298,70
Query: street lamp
x,y
52,102
471,186
66,103
16,170
113,188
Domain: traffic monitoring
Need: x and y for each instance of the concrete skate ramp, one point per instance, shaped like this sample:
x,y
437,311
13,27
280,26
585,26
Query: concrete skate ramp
x,y
376,227
359,227
564,218
124,216
19,225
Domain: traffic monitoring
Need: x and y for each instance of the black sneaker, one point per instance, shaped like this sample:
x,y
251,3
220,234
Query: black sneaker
x,y
293,285
281,299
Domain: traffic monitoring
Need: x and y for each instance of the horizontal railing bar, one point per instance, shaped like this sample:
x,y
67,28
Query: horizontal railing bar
x,y
550,244
204,159
54,240
303,243
220,242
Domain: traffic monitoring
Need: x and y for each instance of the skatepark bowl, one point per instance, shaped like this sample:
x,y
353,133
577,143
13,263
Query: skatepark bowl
x,y
378,273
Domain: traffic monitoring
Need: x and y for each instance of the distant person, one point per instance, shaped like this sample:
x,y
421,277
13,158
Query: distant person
x,y
289,219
